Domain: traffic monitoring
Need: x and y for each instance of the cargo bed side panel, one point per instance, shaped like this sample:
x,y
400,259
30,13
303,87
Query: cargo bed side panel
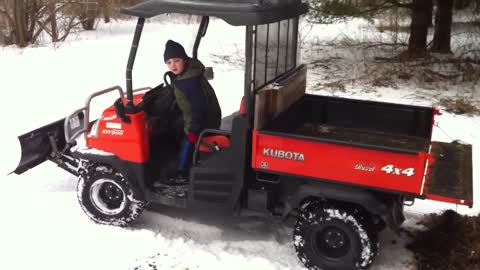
x,y
450,173
398,172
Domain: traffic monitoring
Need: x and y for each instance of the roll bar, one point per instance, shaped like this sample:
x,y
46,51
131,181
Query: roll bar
x,y
86,111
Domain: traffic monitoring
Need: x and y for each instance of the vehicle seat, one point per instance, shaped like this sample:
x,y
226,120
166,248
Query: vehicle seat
x,y
214,143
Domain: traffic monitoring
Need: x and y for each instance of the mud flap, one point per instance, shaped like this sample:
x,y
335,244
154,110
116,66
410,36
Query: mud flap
x,y
46,142
451,173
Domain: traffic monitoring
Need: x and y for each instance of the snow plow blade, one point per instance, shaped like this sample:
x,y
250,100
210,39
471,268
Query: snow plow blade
x,y
40,144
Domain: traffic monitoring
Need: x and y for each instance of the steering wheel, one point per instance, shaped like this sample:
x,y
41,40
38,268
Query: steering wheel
x,y
151,95
170,76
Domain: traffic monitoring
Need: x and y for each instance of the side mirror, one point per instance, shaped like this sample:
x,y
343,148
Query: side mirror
x,y
208,73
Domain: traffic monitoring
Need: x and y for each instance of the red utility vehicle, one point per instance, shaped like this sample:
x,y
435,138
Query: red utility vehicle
x,y
343,168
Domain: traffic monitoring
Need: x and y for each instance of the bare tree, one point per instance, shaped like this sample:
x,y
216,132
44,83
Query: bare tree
x,y
53,20
88,14
19,11
65,22
22,16
105,7
29,18
6,23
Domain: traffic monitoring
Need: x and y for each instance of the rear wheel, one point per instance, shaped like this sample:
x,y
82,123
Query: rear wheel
x,y
333,237
107,197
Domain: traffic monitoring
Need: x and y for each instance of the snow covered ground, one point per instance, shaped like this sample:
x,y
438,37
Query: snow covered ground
x,y
42,225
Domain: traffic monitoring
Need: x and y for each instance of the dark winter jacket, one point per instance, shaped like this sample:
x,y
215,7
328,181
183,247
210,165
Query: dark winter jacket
x,y
196,98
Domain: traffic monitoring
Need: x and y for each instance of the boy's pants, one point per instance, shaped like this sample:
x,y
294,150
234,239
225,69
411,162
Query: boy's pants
x,y
185,157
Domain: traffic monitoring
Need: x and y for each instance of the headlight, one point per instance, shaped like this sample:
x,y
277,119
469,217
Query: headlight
x,y
94,131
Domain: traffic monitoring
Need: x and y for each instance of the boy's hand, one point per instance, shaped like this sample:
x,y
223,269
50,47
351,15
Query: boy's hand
x,y
192,137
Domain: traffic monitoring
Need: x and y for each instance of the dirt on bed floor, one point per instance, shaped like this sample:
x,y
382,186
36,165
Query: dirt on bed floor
x,y
451,242
361,136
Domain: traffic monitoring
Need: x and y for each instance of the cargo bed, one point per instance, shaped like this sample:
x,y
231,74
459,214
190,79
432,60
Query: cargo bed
x,y
377,145
368,124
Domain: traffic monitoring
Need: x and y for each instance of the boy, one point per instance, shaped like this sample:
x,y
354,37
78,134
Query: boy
x,y
195,98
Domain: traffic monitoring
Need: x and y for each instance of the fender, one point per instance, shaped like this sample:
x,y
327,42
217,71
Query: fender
x,y
389,208
134,172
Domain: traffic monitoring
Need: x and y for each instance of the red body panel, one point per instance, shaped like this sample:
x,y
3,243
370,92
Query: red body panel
x,y
128,141
349,164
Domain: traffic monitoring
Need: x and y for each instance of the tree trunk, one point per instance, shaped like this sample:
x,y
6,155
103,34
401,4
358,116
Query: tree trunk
x,y
88,17
53,20
443,27
33,20
430,15
105,9
417,44
20,23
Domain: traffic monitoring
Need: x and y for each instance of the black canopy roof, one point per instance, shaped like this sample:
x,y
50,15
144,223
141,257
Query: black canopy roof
x,y
235,12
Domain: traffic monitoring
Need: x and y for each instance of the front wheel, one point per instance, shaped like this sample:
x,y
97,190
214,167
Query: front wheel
x,y
333,237
107,197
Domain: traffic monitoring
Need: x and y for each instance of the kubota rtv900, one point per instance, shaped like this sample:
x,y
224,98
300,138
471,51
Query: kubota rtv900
x,y
343,167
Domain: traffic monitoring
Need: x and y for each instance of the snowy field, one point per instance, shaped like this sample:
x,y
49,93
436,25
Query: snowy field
x,y
42,225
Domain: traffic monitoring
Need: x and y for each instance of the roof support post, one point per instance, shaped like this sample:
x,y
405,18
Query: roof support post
x,y
131,61
249,98
202,30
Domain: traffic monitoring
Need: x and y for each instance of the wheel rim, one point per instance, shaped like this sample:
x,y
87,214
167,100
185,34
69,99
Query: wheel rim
x,y
107,197
332,242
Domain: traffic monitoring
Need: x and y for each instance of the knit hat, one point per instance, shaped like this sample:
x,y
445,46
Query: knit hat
x,y
174,50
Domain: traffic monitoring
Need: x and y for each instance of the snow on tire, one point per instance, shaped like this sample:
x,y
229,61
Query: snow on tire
x,y
107,197
331,237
